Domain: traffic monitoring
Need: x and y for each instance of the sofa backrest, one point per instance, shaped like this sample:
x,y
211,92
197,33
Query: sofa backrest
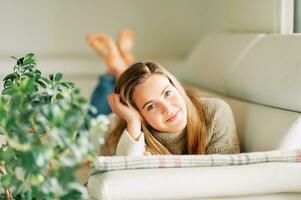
x,y
270,73
215,56
257,74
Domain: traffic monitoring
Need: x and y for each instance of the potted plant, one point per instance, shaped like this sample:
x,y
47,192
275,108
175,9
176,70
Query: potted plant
x,y
47,131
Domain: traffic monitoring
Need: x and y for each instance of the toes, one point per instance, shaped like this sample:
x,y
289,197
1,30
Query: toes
x,y
127,33
125,39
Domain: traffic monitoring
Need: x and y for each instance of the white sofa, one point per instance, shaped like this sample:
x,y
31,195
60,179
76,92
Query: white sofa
x,y
259,75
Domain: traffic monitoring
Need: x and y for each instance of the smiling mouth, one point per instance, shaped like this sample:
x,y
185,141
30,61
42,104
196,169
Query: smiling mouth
x,y
173,117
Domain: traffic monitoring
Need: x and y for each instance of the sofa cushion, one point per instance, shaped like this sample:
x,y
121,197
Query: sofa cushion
x,y
269,73
212,58
182,177
293,139
197,182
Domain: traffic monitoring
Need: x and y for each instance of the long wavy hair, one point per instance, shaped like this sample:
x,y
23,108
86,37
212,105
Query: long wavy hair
x,y
196,131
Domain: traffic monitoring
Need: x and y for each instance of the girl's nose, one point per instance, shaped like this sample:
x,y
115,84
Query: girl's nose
x,y
166,107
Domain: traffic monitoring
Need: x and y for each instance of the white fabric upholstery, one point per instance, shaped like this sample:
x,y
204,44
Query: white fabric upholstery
x,y
292,139
204,182
270,73
211,60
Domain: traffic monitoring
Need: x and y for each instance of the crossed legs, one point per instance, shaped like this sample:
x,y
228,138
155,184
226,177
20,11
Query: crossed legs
x,y
117,56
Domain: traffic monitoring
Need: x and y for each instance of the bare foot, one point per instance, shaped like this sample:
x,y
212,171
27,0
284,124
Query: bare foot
x,y
125,42
105,46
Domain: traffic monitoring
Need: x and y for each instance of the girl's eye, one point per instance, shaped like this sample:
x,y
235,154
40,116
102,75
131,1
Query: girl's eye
x,y
150,107
167,93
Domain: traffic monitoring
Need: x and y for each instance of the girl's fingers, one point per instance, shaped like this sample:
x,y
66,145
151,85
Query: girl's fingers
x,y
118,102
115,103
111,101
123,111
115,99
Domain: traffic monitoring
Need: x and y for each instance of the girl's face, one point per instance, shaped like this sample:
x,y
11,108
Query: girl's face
x,y
160,104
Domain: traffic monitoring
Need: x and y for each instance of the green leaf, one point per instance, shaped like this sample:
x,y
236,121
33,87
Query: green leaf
x,y
67,85
47,81
37,179
12,90
51,77
76,91
8,83
5,181
37,72
29,74
15,103
14,57
27,85
10,77
28,67
82,100
59,96
56,77
20,61
28,59
42,84
75,191
36,88
29,56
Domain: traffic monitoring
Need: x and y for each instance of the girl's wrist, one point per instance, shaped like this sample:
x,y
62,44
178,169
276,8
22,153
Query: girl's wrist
x,y
134,129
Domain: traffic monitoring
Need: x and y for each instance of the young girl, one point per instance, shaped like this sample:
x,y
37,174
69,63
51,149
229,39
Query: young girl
x,y
158,116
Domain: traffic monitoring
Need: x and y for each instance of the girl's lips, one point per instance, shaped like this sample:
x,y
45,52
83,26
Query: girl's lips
x,y
173,117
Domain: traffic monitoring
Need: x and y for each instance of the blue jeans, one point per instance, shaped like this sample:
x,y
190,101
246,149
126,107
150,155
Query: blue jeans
x,y
99,100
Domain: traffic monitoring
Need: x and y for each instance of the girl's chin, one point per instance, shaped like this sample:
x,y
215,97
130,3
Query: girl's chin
x,y
176,127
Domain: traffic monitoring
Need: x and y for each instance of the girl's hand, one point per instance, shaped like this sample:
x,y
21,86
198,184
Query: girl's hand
x,y
127,113
123,111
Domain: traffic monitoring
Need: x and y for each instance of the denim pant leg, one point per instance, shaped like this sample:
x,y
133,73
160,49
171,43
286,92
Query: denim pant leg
x,y
99,100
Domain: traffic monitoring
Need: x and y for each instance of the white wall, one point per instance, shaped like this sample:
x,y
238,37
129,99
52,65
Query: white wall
x,y
55,27
269,16
54,30
166,29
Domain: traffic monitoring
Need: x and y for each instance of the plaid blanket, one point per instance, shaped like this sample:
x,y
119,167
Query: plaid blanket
x,y
109,163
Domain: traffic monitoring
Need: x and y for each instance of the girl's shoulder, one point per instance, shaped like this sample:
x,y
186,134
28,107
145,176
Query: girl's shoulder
x,y
214,103
216,110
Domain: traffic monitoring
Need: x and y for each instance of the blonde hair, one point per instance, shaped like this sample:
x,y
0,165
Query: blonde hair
x,y
196,127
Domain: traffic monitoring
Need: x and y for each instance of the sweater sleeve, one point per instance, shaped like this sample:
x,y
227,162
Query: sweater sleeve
x,y
127,146
222,136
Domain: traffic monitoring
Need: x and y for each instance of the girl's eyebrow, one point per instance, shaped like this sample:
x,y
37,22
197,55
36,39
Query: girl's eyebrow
x,y
152,100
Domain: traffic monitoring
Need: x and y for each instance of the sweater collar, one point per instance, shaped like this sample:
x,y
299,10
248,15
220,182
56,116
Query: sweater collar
x,y
175,142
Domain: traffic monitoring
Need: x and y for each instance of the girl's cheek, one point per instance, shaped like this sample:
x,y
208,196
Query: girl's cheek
x,y
180,100
155,120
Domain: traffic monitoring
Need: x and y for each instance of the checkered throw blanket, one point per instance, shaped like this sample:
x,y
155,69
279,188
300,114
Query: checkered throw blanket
x,y
109,163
